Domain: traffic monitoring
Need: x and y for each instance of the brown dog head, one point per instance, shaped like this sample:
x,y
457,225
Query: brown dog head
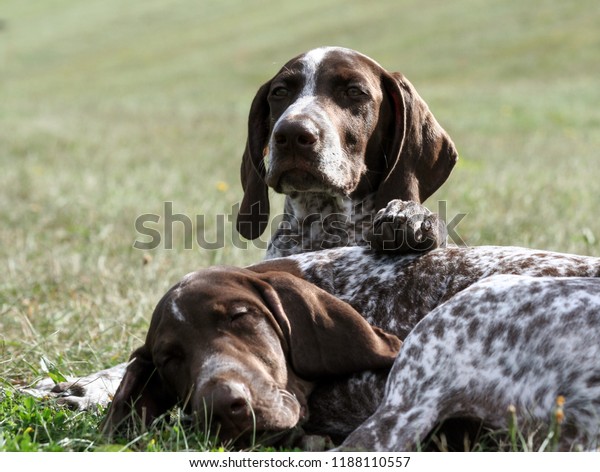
x,y
334,121
240,350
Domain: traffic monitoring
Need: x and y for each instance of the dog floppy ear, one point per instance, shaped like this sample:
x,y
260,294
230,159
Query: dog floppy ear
x,y
324,335
253,214
421,154
140,398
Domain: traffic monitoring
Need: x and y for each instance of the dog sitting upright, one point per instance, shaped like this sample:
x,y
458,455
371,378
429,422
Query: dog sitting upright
x,y
342,137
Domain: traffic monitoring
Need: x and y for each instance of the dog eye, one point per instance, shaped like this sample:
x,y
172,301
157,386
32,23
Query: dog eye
x,y
280,92
238,313
168,361
354,91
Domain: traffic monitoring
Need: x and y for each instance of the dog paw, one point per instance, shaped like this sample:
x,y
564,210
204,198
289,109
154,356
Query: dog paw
x,y
406,226
83,393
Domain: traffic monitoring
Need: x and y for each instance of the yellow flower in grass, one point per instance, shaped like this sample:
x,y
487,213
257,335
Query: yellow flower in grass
x,y
559,414
222,186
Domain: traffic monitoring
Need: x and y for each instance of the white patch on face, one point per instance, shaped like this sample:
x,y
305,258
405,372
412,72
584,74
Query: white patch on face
x,y
177,314
312,61
331,160
219,364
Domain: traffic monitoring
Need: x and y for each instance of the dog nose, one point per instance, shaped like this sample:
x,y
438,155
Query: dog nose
x,y
227,404
292,133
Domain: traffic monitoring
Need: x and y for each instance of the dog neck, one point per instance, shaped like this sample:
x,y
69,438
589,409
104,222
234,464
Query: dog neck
x,y
315,221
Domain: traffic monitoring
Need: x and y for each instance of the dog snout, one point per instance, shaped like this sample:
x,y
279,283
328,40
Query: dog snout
x,y
226,404
229,403
295,134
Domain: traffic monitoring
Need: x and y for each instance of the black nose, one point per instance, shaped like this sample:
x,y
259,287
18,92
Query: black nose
x,y
299,134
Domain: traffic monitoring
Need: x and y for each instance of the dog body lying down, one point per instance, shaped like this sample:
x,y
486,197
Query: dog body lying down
x,y
248,346
530,345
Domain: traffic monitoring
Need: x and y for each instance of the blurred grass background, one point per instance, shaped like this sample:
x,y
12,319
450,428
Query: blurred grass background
x,y
109,109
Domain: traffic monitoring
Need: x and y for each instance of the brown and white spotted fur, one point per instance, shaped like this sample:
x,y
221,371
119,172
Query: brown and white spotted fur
x,y
393,293
341,137
509,342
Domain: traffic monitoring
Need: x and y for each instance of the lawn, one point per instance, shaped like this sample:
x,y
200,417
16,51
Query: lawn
x,y
112,110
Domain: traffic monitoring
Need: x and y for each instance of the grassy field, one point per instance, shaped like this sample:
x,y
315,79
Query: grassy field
x,y
109,109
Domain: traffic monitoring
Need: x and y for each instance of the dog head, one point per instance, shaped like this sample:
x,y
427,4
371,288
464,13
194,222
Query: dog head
x,y
332,120
240,351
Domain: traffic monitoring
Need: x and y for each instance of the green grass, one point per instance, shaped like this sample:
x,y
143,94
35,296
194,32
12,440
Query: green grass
x,y
108,109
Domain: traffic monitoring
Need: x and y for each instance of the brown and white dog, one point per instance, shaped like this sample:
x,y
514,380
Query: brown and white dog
x,y
355,149
341,137
241,351
265,348
339,133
